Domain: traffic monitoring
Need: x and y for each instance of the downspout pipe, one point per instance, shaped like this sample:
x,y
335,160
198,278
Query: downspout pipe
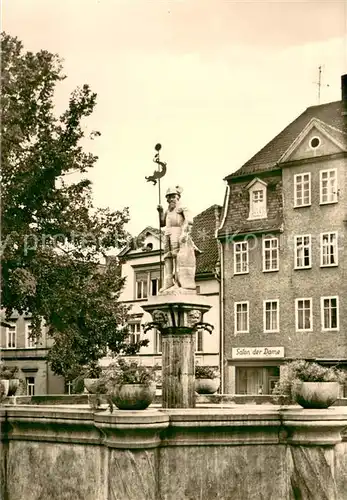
x,y
222,294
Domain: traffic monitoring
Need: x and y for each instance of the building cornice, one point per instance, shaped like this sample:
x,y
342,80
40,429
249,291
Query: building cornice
x,y
275,169
235,237
315,159
139,255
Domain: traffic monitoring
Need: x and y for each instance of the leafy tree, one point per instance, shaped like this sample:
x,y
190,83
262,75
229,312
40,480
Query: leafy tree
x,y
52,235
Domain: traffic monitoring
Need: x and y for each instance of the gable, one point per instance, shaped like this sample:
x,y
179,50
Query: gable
x,y
317,139
256,184
268,157
237,219
147,240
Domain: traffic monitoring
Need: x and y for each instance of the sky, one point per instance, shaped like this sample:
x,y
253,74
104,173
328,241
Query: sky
x,y
211,80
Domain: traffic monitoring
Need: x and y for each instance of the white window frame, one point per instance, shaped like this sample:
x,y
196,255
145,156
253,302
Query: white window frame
x,y
144,287
297,329
333,244
333,198
151,280
29,343
241,253
270,250
262,213
300,178
296,248
235,317
271,330
30,387
135,330
146,284
13,332
158,341
69,387
199,334
330,329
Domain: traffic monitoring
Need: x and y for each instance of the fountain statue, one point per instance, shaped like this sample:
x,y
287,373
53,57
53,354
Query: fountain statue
x,y
177,311
179,248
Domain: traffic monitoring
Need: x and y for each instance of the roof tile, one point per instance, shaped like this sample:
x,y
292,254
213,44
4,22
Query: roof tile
x,y
267,158
204,237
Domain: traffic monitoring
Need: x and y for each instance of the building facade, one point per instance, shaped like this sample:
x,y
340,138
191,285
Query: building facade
x,y
283,253
18,349
141,268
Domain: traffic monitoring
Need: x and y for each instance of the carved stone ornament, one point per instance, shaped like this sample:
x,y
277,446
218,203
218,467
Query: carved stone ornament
x,y
194,317
159,317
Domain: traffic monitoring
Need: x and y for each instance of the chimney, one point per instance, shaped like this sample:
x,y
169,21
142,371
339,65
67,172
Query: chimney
x,y
344,94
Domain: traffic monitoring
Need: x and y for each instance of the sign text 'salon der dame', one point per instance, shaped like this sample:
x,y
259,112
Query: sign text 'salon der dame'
x,y
257,352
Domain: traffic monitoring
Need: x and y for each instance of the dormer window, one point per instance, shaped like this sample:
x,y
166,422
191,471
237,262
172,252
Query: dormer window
x,y
148,247
257,199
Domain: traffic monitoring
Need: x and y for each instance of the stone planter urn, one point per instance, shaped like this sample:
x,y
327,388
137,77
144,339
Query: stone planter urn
x,y
206,385
317,394
133,396
91,384
4,386
13,386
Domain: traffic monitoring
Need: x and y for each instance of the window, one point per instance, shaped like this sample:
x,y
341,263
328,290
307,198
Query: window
x,y
241,257
29,341
199,340
270,254
11,336
302,251
134,332
147,283
302,190
256,379
328,249
241,317
257,201
158,341
271,316
141,285
328,186
69,387
303,314
30,386
154,286
314,142
330,313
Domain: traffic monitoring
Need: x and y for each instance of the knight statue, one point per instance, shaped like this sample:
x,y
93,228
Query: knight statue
x,y
179,248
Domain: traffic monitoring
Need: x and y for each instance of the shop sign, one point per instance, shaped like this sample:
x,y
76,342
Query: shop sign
x,y
257,352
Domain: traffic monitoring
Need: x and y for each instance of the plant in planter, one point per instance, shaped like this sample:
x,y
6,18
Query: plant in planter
x,y
309,384
129,384
206,379
9,375
88,377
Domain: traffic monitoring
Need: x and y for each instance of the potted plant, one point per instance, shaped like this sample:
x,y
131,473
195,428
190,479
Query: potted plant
x,y
88,377
309,384
206,379
129,384
8,375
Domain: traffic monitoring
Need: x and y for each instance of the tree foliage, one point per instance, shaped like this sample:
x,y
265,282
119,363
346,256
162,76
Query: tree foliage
x,y
52,235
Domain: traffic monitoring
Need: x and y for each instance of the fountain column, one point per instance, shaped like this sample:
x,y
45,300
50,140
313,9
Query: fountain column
x,y
178,317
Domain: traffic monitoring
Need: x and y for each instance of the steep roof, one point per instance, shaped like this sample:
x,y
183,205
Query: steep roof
x,y
150,229
204,237
267,158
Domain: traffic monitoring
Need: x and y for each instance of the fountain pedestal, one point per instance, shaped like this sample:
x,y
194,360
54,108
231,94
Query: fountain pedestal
x,y
178,317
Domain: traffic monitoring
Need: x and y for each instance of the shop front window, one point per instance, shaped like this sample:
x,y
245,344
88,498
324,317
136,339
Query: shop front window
x,y
256,379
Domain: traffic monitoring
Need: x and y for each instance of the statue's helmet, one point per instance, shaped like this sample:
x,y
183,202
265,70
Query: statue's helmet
x,y
174,190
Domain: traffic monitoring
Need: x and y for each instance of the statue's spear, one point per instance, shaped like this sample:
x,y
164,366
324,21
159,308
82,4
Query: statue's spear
x,y
155,177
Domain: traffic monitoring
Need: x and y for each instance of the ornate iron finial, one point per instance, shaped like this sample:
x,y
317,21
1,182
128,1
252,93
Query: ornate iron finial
x,y
157,174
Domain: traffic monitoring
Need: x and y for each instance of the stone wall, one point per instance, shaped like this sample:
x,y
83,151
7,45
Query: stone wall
x,y
248,453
